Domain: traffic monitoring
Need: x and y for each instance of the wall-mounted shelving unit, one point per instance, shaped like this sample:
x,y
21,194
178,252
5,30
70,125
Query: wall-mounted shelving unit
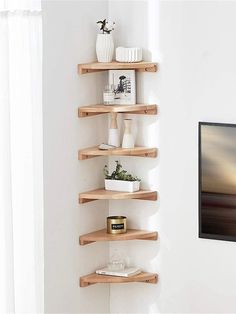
x,y
131,234
85,68
92,279
93,110
102,194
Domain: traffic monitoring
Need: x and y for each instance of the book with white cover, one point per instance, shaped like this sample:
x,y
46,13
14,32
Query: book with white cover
x,y
127,272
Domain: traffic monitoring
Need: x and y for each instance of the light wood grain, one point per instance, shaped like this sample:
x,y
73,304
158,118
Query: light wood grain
x,y
92,110
136,151
102,194
94,278
103,66
131,234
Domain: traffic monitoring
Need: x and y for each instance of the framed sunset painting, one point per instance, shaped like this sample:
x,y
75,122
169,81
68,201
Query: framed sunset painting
x,y
217,181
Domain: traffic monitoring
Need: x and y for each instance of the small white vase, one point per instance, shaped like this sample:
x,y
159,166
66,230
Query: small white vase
x,y
114,137
113,132
104,47
128,139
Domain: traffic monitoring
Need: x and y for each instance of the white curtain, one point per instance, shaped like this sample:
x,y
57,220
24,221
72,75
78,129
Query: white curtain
x,y
21,188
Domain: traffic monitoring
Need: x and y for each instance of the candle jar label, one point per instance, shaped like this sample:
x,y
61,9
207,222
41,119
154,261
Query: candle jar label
x,y
117,226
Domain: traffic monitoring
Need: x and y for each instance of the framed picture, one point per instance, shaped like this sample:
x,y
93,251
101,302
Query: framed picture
x,y
123,82
217,181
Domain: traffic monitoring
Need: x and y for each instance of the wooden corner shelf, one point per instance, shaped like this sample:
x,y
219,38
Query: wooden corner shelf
x,y
102,194
131,234
143,66
92,152
94,278
93,110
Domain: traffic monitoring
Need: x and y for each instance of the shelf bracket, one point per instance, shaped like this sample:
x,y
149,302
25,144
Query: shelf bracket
x,y
83,200
153,280
85,242
84,283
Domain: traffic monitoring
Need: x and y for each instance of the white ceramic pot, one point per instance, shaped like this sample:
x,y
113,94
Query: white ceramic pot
x,y
113,133
128,139
122,186
104,47
114,137
128,54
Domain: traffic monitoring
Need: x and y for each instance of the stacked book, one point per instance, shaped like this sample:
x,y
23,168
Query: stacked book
x,y
127,272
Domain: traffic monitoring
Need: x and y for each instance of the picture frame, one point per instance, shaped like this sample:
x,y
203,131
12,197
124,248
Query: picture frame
x,y
124,86
217,181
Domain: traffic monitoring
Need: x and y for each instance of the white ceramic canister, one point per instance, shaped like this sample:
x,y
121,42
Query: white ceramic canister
x,y
128,139
113,132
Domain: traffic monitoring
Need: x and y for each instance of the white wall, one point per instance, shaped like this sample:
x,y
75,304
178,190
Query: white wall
x,y
69,38
197,83
132,29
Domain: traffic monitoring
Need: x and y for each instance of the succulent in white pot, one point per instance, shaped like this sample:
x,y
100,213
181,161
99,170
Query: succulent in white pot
x,y
121,181
104,43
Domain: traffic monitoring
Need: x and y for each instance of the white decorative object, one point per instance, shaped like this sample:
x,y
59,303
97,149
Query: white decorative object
x,y
122,186
104,146
126,272
123,82
113,133
128,54
117,262
128,139
104,47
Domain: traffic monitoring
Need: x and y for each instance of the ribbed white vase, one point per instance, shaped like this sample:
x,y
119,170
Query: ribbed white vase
x,y
104,47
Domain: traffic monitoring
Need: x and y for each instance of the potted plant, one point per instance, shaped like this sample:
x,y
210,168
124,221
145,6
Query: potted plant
x,y
104,43
120,180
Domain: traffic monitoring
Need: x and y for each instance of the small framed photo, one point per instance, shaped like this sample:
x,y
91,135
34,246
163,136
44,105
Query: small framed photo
x,y
123,82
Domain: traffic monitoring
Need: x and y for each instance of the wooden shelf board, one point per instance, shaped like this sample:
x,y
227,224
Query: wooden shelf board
x,y
131,234
102,194
92,110
92,152
104,66
92,279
